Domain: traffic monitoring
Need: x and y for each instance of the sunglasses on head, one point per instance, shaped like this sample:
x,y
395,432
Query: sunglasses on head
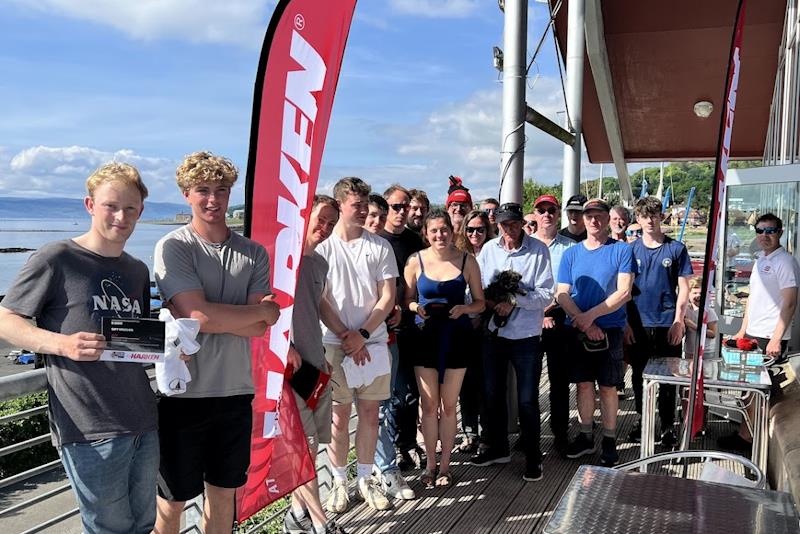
x,y
476,229
633,232
551,210
399,207
769,230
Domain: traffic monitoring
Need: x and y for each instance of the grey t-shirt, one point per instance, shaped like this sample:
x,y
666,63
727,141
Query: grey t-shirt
x,y
307,337
69,289
227,273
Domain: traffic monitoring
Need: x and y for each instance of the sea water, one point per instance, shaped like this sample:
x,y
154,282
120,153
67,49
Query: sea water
x,y
33,233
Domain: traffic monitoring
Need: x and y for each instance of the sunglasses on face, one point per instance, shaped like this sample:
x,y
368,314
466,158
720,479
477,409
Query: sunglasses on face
x,y
769,230
476,230
530,223
542,211
399,207
489,211
630,233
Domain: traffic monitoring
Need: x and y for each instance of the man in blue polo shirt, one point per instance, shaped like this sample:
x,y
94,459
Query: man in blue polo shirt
x,y
594,283
664,272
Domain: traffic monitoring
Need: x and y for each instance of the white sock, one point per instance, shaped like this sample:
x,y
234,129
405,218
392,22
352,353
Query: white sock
x,y
298,511
364,470
339,473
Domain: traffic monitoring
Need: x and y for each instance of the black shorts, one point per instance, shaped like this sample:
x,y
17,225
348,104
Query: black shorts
x,y
603,367
203,440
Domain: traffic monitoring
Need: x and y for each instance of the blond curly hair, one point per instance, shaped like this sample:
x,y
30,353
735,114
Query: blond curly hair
x,y
123,173
201,167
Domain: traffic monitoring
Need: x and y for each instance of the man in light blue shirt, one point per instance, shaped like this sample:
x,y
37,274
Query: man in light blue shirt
x,y
547,212
518,340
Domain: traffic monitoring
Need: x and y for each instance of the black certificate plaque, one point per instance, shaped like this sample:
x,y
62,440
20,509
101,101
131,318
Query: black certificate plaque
x,y
133,340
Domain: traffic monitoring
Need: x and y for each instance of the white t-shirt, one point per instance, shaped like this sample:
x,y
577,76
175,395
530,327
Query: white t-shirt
x,y
771,274
690,343
355,269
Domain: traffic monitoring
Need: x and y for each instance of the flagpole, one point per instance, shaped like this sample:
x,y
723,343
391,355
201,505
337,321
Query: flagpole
x,y
694,419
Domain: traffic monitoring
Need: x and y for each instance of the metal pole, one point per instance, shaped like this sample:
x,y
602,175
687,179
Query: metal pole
x,y
600,187
576,44
512,144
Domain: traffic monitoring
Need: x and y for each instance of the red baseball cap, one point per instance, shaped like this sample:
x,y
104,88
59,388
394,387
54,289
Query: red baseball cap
x,y
547,198
459,195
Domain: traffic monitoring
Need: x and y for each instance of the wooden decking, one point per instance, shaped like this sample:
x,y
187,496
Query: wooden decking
x,y
495,498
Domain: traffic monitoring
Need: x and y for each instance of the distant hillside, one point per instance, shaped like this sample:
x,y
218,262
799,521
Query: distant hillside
x,y
72,208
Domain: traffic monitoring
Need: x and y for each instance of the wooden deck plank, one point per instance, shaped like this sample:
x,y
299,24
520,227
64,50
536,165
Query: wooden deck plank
x,y
495,498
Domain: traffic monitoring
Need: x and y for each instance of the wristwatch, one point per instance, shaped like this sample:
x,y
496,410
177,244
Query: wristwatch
x,y
364,333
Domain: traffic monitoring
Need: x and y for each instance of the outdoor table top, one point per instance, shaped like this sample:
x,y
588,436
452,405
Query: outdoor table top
x,y
600,500
715,373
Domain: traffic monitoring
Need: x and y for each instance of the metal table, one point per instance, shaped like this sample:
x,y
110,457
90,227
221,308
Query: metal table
x,y
600,500
676,371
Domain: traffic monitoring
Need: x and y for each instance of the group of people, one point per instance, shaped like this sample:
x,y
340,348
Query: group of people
x,y
408,311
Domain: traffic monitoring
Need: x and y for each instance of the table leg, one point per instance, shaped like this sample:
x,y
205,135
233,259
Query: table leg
x,y
760,429
649,396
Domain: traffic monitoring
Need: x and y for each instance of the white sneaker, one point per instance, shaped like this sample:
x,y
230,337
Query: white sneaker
x,y
396,487
338,499
369,490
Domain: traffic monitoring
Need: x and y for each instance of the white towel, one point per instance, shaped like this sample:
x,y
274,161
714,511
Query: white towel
x,y
173,375
363,375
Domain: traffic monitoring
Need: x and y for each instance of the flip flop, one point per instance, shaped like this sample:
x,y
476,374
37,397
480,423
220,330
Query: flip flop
x,y
468,445
428,478
444,479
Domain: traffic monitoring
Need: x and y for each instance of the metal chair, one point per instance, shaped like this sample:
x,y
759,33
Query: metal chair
x,y
759,481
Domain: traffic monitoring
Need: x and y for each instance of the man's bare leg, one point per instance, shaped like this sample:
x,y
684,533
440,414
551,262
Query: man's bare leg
x,y
168,516
218,510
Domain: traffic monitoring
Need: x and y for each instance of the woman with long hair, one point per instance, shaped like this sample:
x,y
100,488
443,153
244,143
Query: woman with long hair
x,y
437,279
477,231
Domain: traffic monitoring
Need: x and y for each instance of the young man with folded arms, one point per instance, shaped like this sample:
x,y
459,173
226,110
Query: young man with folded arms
x,y
102,413
206,271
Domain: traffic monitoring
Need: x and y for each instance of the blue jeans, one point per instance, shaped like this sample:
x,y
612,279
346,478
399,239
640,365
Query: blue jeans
x,y
385,458
114,481
526,357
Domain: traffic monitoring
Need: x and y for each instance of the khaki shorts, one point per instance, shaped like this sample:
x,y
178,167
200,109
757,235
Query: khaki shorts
x,y
378,390
316,423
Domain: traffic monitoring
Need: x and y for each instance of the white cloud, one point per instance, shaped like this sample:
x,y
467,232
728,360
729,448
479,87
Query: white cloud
x,y
240,22
435,8
62,171
463,138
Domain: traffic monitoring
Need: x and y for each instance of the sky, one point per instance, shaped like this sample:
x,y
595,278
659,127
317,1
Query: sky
x,y
149,81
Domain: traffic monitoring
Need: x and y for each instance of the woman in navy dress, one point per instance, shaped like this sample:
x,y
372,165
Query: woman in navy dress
x,y
437,280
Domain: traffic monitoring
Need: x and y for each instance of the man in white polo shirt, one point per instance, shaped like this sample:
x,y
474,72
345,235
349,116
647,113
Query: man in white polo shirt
x,y
773,286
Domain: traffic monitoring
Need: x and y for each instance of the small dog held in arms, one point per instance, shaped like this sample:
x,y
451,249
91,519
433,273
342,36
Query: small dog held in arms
x,y
503,288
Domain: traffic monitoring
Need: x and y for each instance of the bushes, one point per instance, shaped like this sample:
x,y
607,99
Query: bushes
x,y
21,430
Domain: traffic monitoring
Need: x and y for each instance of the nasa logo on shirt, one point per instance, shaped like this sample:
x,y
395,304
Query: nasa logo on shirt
x,y
666,262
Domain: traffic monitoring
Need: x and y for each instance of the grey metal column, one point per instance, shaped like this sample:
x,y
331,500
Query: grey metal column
x,y
576,44
512,147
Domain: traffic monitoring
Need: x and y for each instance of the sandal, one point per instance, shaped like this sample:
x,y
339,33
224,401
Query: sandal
x,y
428,479
444,479
468,445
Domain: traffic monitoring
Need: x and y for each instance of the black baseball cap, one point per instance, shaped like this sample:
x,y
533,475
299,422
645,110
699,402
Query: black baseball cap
x,y
575,203
510,211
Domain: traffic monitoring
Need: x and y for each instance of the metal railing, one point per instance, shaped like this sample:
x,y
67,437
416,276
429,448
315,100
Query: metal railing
x,y
35,381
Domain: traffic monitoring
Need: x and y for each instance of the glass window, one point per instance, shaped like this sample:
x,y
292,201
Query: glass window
x,y
745,203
